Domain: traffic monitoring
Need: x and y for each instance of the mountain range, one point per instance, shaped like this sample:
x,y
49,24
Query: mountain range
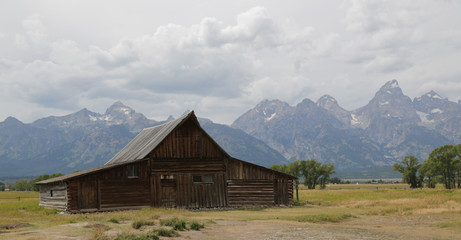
x,y
363,141
378,134
87,139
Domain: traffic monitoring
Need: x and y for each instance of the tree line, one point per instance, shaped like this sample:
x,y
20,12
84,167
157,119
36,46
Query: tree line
x,y
313,172
25,185
442,166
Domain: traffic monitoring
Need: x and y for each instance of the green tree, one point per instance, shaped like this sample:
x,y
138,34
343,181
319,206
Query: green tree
x,y
313,172
326,170
35,187
409,169
445,161
22,185
293,169
2,187
336,180
427,174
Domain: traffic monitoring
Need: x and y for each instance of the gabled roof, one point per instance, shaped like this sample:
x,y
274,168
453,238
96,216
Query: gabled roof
x,y
147,140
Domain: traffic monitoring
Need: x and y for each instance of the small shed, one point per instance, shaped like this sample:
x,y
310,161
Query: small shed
x,y
176,164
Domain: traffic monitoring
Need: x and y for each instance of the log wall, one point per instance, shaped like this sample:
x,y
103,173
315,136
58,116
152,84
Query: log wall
x,y
239,173
110,189
243,192
54,196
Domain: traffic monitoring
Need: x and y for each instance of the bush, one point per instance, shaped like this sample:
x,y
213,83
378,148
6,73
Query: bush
x,y
165,232
140,223
175,223
113,220
126,236
196,226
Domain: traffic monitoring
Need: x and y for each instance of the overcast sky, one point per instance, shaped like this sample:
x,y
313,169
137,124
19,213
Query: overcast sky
x,y
220,58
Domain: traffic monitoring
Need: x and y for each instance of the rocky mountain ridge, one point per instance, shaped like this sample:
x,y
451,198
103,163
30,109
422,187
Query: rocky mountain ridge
x,y
86,139
380,133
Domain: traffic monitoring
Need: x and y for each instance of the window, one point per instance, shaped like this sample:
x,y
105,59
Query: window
x,y
133,171
203,179
208,179
197,179
51,193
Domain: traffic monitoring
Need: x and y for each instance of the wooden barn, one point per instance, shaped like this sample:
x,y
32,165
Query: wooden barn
x,y
176,164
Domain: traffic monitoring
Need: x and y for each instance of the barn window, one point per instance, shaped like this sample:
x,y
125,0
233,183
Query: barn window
x,y
203,179
208,179
133,171
197,179
51,193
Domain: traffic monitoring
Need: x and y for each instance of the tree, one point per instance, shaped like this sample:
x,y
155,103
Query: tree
x,y
312,171
336,180
41,178
325,171
21,185
427,174
409,168
2,187
446,163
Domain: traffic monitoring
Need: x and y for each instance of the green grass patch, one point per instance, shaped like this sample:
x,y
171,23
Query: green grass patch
x,y
166,232
175,223
114,220
196,226
323,218
139,223
456,224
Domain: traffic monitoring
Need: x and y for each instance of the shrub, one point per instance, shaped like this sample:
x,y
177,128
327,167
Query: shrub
x,y
165,232
114,220
175,223
138,224
196,226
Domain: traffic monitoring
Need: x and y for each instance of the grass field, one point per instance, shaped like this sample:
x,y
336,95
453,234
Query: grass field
x,y
390,210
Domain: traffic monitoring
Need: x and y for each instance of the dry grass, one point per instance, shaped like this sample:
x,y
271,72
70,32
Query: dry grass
x,y
438,208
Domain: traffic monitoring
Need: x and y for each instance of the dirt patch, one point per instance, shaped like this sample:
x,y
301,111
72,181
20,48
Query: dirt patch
x,y
96,226
15,226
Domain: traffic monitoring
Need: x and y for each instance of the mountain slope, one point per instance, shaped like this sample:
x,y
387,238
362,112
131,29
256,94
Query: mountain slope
x,y
87,139
378,134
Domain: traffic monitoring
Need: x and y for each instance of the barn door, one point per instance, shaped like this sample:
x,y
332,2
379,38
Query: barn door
x,y
88,195
168,190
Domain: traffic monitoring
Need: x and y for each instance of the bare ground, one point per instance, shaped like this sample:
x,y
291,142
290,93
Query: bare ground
x,y
363,227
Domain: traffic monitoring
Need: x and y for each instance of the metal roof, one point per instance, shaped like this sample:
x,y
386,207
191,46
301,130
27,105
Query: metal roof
x,y
147,140
81,173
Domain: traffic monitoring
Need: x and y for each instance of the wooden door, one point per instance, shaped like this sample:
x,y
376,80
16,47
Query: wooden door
x,y
88,195
168,196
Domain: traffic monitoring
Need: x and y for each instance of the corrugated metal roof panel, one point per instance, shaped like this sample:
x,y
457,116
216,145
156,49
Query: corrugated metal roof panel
x,y
146,141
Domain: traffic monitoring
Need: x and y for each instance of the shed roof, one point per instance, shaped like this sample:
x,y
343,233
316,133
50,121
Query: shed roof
x,y
83,172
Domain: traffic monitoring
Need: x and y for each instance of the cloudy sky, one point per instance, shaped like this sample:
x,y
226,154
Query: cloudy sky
x,y
220,58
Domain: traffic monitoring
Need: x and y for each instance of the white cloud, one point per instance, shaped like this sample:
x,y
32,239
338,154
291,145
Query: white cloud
x,y
34,29
222,67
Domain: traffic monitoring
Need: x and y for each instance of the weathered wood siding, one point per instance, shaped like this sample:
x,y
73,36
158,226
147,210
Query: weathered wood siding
x,y
250,192
243,179
185,153
283,191
110,189
54,196
187,142
187,193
